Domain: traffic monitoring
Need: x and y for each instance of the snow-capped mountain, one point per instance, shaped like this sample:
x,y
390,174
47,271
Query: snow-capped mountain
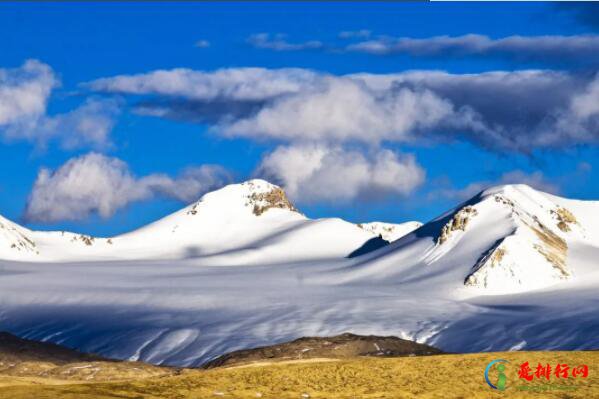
x,y
506,239
240,223
512,268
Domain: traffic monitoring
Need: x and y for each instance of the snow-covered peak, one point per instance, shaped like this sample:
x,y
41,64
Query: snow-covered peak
x,y
522,235
506,239
506,189
522,194
246,223
256,196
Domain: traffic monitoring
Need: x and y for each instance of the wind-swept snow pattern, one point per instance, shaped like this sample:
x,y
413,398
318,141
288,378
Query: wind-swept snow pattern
x,y
515,269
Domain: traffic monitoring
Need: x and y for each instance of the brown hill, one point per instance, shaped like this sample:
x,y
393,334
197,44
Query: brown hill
x,y
338,347
26,358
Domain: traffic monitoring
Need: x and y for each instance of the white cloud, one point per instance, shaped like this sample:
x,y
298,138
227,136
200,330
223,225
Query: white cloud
x,y
502,111
585,105
313,172
230,84
24,91
89,125
342,110
278,42
189,185
24,96
97,184
548,47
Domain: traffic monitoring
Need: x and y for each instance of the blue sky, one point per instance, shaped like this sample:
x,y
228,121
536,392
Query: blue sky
x,y
139,170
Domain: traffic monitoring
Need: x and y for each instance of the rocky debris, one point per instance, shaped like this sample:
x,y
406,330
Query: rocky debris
x,y
29,241
274,198
459,221
87,240
17,240
495,256
194,209
388,231
503,200
382,230
337,347
564,217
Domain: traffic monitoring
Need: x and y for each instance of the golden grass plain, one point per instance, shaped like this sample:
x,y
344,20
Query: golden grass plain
x,y
439,376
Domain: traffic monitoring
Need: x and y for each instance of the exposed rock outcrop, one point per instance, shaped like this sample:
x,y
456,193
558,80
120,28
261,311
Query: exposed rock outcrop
x,y
459,221
565,218
263,201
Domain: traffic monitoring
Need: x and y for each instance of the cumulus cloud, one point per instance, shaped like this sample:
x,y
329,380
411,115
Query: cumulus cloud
x,y
278,42
223,95
97,184
510,111
313,172
345,109
89,125
24,96
548,47
24,91
501,110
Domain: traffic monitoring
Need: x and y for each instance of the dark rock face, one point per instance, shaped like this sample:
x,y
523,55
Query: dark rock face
x,y
338,347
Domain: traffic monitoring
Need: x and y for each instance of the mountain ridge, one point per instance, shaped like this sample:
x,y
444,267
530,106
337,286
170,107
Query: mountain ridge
x,y
506,239
186,311
250,217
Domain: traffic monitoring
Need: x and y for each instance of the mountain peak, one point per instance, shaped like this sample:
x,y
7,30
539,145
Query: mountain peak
x,y
256,194
528,233
521,193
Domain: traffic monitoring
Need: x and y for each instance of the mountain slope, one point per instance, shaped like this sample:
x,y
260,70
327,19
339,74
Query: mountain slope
x,y
238,224
511,269
15,241
506,239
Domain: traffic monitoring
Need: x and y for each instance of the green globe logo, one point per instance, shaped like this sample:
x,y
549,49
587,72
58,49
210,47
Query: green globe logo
x,y
501,378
